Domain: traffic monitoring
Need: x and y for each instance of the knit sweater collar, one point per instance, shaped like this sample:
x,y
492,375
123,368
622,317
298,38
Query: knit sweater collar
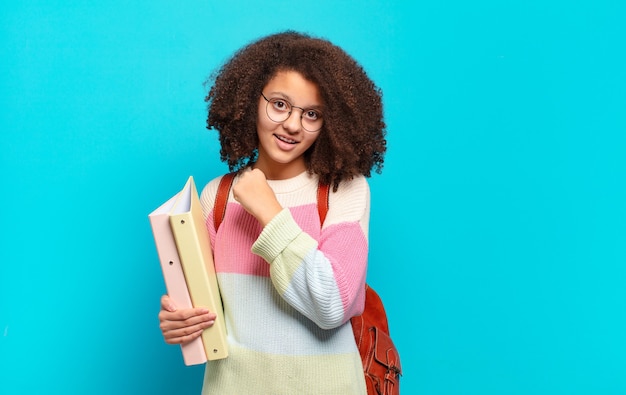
x,y
292,184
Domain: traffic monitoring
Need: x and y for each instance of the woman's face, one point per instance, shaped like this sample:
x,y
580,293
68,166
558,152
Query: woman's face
x,y
282,144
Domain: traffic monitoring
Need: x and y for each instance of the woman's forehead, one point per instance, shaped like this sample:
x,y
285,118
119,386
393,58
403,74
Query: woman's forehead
x,y
292,86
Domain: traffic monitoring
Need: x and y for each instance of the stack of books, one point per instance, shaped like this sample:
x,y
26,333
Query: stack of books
x,y
184,250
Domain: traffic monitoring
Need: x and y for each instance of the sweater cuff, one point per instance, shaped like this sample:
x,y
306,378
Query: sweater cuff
x,y
276,236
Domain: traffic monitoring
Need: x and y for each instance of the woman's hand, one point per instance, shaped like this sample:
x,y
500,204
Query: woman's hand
x,y
184,325
255,195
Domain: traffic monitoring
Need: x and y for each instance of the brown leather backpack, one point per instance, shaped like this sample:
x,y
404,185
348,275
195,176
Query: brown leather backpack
x,y
380,358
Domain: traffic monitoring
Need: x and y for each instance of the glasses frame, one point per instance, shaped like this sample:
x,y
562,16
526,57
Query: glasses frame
x,y
291,107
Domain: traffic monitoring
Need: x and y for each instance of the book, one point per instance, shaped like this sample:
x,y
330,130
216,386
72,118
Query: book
x,y
196,258
201,272
193,351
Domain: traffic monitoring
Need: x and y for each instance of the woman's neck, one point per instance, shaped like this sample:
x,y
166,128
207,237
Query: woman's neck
x,y
280,171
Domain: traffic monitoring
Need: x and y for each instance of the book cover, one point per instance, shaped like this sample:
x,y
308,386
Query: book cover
x,y
193,351
196,257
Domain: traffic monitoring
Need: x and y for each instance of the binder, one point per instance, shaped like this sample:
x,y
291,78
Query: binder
x,y
196,258
193,351
192,242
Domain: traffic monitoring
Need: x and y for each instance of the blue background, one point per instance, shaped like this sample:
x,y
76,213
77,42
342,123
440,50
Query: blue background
x,y
497,229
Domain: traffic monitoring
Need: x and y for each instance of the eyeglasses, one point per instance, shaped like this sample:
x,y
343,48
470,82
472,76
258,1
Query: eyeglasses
x,y
279,110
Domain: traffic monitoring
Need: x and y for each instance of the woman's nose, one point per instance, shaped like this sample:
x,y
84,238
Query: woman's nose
x,y
293,123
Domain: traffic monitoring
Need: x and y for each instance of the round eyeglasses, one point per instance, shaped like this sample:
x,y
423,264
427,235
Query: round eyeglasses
x,y
279,110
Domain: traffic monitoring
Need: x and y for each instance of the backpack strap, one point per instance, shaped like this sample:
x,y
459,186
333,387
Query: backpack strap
x,y
223,189
221,198
323,193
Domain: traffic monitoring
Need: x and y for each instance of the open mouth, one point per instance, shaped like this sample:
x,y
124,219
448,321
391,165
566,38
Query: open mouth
x,y
285,139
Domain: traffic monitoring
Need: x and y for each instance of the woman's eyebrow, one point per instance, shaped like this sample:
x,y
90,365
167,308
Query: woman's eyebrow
x,y
290,100
281,94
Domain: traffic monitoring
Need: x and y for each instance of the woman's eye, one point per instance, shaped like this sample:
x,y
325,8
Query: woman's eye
x,y
280,105
312,115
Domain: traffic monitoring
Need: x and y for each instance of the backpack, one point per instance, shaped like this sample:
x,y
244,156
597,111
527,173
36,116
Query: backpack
x,y
380,358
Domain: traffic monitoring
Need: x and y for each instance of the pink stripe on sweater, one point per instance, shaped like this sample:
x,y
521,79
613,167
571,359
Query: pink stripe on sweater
x,y
347,249
231,246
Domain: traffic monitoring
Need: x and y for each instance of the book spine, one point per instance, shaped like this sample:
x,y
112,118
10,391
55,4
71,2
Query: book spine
x,y
194,248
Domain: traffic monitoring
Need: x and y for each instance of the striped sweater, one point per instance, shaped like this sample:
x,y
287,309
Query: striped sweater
x,y
289,291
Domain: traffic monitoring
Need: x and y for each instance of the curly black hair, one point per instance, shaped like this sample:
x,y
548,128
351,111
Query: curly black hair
x,y
352,140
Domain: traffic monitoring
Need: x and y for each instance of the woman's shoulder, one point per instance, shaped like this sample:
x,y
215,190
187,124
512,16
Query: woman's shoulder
x,y
355,188
351,201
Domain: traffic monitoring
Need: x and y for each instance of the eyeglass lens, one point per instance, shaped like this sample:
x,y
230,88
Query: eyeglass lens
x,y
279,110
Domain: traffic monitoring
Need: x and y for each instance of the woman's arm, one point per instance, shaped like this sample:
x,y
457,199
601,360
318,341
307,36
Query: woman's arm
x,y
323,280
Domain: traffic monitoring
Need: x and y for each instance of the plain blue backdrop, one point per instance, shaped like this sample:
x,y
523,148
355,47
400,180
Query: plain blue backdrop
x,y
498,226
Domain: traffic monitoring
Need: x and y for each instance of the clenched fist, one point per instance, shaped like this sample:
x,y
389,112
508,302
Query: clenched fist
x,y
255,195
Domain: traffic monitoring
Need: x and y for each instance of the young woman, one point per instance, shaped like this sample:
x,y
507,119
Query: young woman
x,y
291,111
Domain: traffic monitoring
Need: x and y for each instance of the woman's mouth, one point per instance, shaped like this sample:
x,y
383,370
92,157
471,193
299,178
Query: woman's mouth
x,y
285,139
